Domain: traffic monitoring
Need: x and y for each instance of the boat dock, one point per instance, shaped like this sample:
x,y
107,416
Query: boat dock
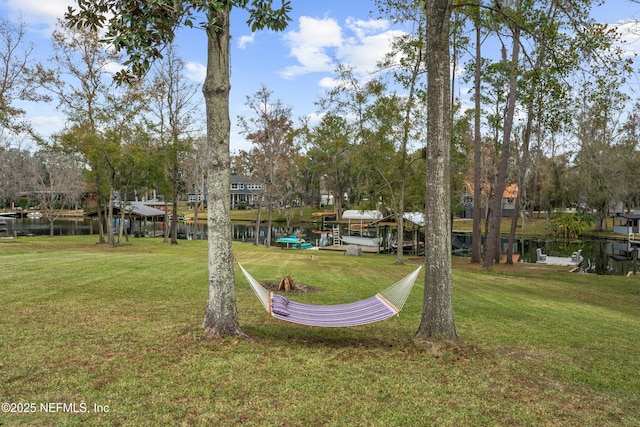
x,y
343,248
556,260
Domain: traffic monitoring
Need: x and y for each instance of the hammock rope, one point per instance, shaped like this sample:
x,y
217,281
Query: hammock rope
x,y
379,307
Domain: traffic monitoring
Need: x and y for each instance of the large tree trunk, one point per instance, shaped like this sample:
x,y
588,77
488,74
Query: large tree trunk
x,y
437,309
221,317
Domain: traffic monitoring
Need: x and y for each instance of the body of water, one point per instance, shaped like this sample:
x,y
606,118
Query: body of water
x,y
11,226
600,256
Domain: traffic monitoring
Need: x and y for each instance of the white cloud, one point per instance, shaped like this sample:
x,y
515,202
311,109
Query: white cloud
x,y
39,12
315,119
246,40
47,125
309,45
364,53
317,43
327,82
50,121
113,67
630,32
361,27
196,71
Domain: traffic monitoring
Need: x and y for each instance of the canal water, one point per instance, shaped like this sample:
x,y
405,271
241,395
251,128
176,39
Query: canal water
x,y
40,227
601,256
242,232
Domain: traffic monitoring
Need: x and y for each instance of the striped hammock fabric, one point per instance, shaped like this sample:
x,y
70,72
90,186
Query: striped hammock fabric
x,y
379,307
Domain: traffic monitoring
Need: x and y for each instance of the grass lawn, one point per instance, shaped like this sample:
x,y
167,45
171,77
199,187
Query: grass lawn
x,y
102,336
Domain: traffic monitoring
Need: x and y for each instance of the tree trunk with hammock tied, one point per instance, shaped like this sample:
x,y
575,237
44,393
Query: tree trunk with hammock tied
x,y
142,29
437,311
221,318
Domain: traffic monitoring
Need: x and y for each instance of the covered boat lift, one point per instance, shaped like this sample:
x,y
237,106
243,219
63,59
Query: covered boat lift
x,y
137,213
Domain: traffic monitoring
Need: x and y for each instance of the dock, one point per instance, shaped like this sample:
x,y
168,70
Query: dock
x,y
556,260
343,248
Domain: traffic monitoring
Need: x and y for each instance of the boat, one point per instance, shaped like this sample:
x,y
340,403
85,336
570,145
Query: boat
x,y
9,214
290,239
360,222
361,241
294,242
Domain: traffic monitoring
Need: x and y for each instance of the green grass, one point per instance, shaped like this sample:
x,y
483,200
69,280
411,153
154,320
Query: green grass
x,y
120,327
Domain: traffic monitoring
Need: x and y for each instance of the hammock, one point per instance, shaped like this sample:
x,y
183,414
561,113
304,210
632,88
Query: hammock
x,y
381,306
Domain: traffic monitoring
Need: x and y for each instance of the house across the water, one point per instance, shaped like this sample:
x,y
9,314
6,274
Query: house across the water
x,y
509,197
244,192
629,225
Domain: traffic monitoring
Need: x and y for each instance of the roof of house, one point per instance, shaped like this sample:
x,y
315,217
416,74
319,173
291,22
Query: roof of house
x,y
239,179
626,216
510,191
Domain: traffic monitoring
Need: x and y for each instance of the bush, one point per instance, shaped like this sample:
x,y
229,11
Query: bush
x,y
571,225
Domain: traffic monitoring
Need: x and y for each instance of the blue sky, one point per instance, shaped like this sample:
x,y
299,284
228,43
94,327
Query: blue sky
x,y
297,64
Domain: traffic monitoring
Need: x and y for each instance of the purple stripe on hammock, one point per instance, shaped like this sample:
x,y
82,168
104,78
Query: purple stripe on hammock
x,y
353,314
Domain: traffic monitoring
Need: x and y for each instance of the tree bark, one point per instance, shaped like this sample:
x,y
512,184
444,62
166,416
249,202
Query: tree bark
x,y
100,206
523,167
174,196
165,222
437,309
221,317
476,239
403,162
256,233
110,213
493,240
